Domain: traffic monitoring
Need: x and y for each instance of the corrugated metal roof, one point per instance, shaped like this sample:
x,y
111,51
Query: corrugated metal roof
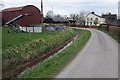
x,y
14,9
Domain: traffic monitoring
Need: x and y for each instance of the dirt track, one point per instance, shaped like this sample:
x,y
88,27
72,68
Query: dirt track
x,y
98,59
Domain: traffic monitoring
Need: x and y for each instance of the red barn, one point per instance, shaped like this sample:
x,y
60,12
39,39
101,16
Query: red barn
x,y
34,12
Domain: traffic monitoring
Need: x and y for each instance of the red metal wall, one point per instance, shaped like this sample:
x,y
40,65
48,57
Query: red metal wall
x,y
10,15
25,21
34,18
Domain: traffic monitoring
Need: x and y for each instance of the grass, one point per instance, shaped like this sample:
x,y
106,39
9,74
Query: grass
x,y
11,40
23,50
53,65
116,37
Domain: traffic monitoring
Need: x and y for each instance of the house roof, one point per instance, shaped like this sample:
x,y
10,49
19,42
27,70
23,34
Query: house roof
x,y
95,15
109,15
14,9
98,15
60,19
17,8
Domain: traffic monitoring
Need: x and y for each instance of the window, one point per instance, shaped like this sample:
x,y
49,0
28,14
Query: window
x,y
91,19
90,23
87,23
97,19
87,18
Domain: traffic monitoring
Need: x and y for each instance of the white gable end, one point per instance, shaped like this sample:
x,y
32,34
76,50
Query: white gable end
x,y
93,19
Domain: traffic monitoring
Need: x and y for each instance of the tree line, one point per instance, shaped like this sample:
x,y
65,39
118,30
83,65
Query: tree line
x,y
78,17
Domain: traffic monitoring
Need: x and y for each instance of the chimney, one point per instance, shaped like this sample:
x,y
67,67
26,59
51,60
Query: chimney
x,y
109,13
92,12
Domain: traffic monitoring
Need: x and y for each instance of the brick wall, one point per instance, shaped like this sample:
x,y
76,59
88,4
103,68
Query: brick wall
x,y
84,26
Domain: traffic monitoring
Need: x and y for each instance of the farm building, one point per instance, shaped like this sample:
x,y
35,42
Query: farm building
x,y
110,19
32,19
56,21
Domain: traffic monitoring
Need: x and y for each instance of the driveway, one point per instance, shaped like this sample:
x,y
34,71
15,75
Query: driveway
x,y
98,59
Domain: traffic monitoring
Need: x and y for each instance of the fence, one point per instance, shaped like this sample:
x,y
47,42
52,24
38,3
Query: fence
x,y
53,27
31,29
113,29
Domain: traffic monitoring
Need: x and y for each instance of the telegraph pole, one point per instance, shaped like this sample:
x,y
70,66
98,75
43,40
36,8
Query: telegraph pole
x,y
42,12
52,13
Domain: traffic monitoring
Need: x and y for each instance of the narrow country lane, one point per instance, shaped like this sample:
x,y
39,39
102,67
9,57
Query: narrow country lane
x,y
98,59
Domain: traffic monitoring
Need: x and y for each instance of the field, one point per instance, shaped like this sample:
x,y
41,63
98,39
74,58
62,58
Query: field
x,y
52,66
20,48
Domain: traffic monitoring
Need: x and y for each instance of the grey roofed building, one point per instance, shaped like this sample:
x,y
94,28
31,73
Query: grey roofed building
x,y
118,22
110,19
56,20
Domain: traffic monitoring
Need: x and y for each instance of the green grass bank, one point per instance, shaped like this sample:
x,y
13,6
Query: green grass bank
x,y
18,49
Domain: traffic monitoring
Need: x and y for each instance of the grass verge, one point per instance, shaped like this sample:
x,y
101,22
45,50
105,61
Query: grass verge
x,y
117,38
53,65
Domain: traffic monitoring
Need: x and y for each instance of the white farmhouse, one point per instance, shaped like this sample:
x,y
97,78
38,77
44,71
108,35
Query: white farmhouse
x,y
94,19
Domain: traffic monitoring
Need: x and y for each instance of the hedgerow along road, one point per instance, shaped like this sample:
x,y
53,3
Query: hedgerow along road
x,y
98,59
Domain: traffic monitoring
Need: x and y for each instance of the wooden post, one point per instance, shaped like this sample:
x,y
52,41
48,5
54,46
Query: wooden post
x,y
26,29
29,34
33,29
42,14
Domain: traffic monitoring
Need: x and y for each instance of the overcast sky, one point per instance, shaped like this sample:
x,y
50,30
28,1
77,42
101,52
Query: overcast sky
x,y
65,7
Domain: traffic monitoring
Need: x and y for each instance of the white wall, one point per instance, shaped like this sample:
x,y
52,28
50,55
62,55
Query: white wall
x,y
88,22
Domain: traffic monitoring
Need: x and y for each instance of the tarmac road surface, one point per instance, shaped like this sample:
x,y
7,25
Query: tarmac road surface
x,y
98,59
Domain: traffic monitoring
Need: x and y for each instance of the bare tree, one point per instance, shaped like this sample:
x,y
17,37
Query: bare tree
x,y
58,16
1,5
82,16
74,16
65,16
95,21
50,14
